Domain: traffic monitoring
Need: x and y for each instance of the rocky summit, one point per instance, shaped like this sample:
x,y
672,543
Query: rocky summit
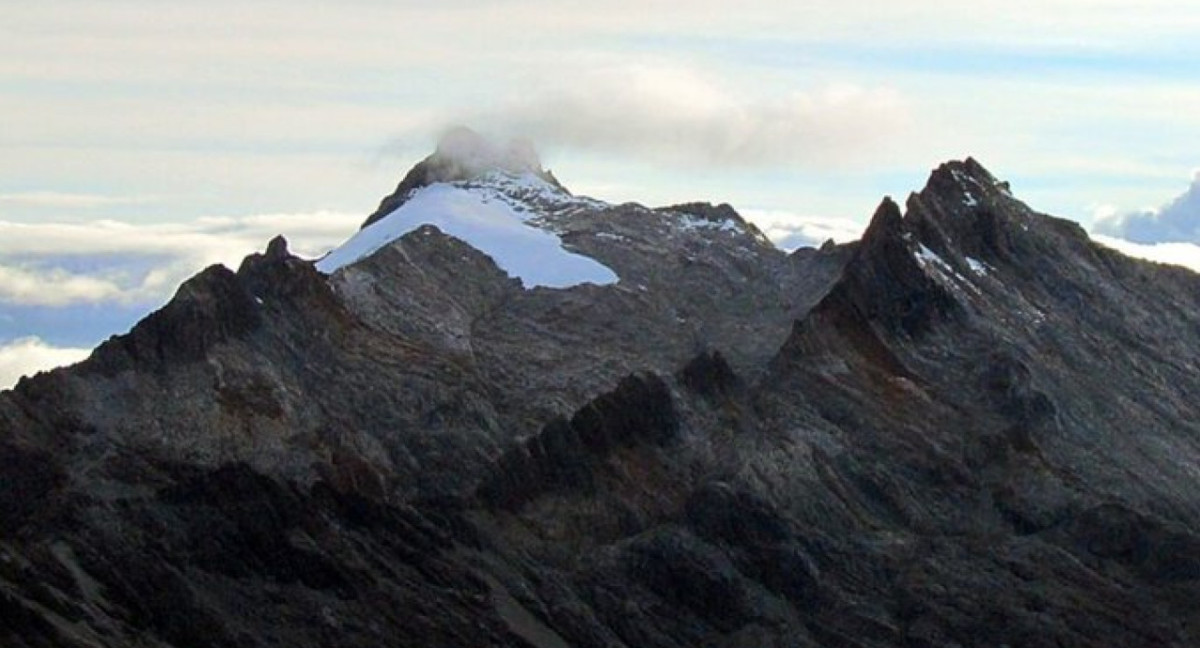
x,y
505,415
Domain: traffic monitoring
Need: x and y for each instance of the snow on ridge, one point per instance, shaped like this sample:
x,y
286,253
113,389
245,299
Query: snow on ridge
x,y
689,222
526,190
926,257
964,179
978,267
492,214
943,271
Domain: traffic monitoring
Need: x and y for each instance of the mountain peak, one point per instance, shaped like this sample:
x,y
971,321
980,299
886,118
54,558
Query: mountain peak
x,y
503,415
887,218
463,154
963,184
967,167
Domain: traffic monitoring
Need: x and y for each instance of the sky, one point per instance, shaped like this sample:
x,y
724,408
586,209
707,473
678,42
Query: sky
x,y
141,141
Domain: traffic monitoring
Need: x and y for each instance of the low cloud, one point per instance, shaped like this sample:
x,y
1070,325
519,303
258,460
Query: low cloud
x,y
1178,253
1176,221
59,264
55,287
790,231
681,116
27,356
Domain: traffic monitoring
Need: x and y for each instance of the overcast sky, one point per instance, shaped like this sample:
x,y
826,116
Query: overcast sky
x,y
142,140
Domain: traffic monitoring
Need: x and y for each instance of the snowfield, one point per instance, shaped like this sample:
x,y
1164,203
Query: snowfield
x,y
489,221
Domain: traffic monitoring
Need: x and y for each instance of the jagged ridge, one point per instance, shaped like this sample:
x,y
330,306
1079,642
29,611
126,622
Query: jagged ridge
x,y
982,427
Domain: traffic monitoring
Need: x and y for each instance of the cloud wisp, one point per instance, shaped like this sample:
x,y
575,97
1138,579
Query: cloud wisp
x,y
681,116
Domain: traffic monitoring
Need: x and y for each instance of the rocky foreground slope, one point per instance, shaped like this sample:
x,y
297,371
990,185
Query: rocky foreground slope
x,y
974,427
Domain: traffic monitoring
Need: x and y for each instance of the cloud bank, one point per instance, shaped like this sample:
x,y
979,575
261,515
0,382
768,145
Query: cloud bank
x,y
27,356
789,231
1176,221
1177,253
61,264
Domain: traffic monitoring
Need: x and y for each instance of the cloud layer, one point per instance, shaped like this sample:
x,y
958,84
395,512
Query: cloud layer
x,y
60,264
1179,253
27,356
789,231
1176,221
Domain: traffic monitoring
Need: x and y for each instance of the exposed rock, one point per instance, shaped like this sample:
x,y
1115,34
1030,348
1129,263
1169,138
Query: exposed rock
x,y
710,376
566,454
972,427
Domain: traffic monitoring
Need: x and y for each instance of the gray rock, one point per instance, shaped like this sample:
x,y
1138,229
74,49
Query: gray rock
x,y
973,427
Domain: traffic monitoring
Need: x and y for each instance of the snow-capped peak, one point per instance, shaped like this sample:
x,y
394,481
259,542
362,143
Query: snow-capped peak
x,y
464,155
496,213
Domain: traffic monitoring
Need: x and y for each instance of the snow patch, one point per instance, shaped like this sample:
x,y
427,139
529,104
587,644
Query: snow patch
x,y
925,256
495,215
941,271
963,179
692,223
978,267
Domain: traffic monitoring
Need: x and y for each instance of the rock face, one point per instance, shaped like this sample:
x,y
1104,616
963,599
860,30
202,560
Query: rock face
x,y
972,427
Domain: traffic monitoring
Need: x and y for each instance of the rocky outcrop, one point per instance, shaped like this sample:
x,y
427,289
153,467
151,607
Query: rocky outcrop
x,y
567,454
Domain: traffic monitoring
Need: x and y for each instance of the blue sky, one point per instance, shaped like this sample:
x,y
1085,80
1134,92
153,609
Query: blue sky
x,y
144,140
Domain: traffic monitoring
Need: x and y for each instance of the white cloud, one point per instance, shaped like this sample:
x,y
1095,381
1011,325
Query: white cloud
x,y
790,231
27,356
55,287
1176,253
681,116
270,105
58,264
1178,220
221,239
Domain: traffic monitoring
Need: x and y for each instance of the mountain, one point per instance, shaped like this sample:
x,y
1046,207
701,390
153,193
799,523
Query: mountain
x,y
505,415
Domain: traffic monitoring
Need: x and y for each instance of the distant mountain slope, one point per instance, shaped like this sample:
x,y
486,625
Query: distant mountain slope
x,y
973,427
